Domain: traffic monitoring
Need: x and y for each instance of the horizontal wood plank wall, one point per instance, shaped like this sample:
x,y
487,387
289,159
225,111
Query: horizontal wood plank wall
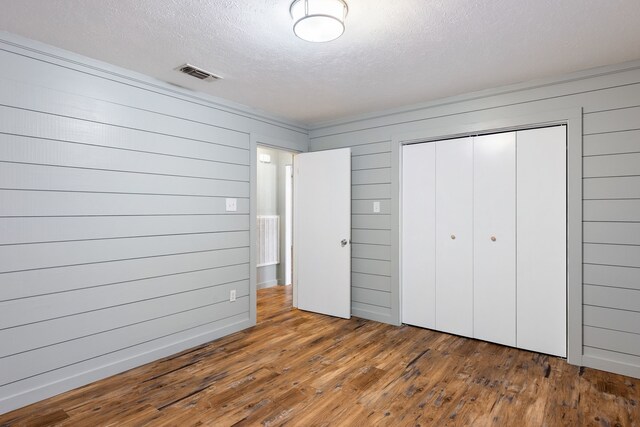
x,y
610,98
115,246
371,231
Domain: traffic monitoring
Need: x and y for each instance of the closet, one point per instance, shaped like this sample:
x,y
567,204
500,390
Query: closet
x,y
484,237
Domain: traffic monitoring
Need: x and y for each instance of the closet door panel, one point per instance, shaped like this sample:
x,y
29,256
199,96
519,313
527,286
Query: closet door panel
x,y
454,236
541,240
418,235
494,227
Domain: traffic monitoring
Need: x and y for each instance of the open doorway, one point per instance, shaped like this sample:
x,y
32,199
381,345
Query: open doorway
x,y
274,219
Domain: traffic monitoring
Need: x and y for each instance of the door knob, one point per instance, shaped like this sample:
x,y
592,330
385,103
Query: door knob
x,y
344,242
453,237
493,238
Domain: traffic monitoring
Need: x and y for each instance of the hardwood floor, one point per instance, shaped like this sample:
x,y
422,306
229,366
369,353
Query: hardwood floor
x,y
306,369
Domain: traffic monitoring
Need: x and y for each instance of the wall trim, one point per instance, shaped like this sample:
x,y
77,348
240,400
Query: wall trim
x,y
278,144
28,397
372,315
571,117
478,95
611,366
43,52
267,284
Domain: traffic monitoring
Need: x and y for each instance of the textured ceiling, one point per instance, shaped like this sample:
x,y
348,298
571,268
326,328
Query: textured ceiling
x,y
393,52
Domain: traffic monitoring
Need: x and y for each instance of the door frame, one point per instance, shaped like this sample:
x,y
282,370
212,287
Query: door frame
x,y
276,144
288,223
501,122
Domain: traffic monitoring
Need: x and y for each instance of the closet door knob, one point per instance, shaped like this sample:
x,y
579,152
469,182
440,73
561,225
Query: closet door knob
x,y
493,238
453,237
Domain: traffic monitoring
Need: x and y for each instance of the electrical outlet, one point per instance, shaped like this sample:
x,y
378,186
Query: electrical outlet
x,y
376,207
232,205
232,295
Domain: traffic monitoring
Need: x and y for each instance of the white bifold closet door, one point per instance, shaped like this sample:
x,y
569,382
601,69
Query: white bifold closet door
x,y
484,238
454,236
542,240
419,240
494,242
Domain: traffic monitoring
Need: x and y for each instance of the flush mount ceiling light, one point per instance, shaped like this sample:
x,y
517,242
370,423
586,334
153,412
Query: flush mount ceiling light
x,y
318,20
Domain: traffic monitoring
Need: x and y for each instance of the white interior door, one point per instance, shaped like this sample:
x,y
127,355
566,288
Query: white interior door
x,y
288,226
494,228
454,236
322,230
542,240
418,235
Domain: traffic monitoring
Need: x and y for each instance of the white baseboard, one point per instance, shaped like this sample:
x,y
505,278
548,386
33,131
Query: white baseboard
x,y
10,403
370,315
267,284
611,366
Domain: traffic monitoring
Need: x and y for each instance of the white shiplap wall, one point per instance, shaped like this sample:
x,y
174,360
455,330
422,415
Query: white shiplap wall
x,y
115,247
116,250
610,99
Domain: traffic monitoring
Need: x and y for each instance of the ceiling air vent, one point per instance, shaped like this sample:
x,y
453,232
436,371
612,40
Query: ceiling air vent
x,y
198,73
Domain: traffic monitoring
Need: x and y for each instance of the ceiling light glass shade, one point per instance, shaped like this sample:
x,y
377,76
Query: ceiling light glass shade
x,y
318,20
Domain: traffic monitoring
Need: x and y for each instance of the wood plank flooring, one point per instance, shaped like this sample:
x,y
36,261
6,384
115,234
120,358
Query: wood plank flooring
x,y
304,369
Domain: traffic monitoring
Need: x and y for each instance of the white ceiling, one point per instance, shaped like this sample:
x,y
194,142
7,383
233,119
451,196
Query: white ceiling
x,y
393,52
